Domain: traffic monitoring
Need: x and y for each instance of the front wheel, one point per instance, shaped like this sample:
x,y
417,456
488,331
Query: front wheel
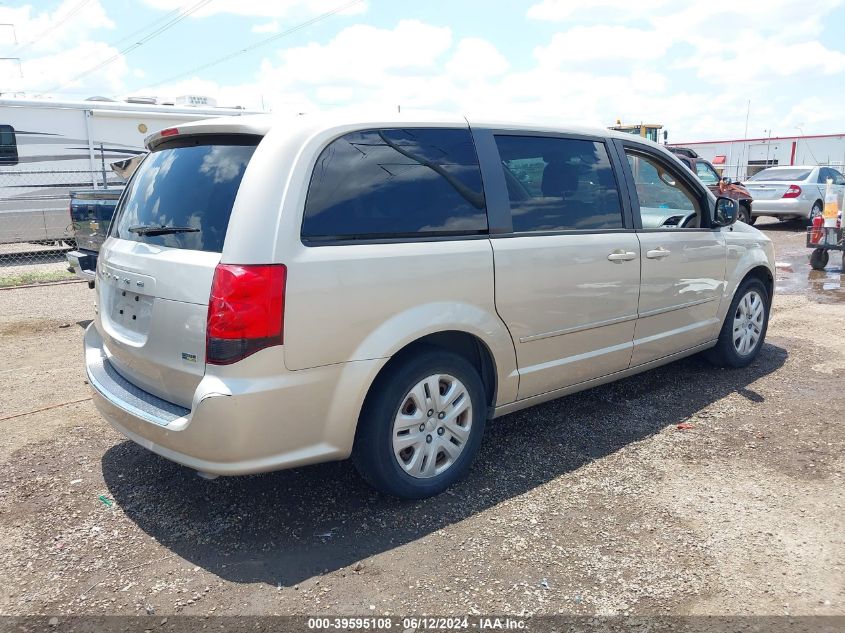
x,y
744,329
421,426
743,214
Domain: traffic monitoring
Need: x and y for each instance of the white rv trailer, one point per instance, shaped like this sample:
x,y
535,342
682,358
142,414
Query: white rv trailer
x,y
49,148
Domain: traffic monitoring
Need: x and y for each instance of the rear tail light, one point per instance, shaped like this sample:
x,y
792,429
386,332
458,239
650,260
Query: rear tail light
x,y
245,311
792,192
171,131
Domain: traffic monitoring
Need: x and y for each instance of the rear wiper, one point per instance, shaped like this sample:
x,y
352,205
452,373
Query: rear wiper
x,y
161,229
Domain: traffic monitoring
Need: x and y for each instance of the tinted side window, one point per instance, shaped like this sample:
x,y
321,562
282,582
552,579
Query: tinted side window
x,y
824,174
8,146
396,183
559,184
838,178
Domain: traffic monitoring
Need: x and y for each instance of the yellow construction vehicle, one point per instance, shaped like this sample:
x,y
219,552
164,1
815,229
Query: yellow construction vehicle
x,y
651,131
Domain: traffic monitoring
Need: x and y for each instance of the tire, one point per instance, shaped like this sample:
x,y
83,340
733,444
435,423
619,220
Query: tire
x,y
411,472
743,214
727,352
816,210
819,258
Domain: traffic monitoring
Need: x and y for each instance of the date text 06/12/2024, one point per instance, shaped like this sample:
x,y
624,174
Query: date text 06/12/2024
x,y
409,624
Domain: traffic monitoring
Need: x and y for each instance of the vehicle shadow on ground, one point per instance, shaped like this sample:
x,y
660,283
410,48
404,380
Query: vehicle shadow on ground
x,y
787,226
285,527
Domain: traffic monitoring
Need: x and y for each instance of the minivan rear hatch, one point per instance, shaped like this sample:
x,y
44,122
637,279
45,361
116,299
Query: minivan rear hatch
x,y
156,270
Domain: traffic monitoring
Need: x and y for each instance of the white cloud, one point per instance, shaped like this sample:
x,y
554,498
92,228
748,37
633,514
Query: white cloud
x,y
47,71
691,66
266,27
54,45
265,8
476,58
363,55
603,42
562,10
55,30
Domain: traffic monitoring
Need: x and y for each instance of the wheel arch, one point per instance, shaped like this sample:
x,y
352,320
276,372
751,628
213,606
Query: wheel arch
x,y
459,342
747,257
764,275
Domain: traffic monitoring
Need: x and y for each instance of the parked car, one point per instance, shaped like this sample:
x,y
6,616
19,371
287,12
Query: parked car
x,y
91,214
718,185
277,292
793,192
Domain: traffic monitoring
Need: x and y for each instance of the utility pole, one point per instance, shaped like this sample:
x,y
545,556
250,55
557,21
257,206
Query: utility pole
x,y
743,156
768,144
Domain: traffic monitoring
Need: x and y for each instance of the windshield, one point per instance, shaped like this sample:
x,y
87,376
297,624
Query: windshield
x,y
190,187
706,173
772,175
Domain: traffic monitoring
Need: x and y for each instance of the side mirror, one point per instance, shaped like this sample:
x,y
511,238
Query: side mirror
x,y
726,212
727,180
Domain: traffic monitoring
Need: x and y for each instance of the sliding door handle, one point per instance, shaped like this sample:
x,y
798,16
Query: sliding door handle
x,y
621,256
658,253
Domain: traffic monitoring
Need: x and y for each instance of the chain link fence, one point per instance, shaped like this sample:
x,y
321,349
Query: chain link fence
x,y
36,229
744,171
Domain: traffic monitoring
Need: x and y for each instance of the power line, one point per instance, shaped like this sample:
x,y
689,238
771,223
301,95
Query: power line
x,y
126,37
192,9
76,9
257,44
148,25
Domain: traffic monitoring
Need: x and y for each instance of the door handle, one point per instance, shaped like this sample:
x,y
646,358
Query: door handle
x,y
658,253
621,256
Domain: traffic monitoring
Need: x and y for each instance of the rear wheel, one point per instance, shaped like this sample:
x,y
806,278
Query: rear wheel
x,y
744,329
421,426
815,211
819,258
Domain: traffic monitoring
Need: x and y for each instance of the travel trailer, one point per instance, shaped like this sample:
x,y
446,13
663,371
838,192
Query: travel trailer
x,y
49,148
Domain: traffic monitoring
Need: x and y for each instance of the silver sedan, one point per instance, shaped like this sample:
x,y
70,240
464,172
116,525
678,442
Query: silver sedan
x,y
792,191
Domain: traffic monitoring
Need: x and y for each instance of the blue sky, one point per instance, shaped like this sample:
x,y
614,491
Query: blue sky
x,y
692,66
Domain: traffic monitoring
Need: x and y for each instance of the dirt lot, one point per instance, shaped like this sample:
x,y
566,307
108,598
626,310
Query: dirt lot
x,y
596,503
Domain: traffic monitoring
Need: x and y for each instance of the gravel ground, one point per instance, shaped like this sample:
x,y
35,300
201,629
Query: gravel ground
x,y
592,504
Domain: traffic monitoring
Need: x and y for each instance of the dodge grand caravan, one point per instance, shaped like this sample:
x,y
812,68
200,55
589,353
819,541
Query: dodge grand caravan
x,y
283,291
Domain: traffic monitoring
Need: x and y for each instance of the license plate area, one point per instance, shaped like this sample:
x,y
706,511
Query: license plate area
x,y
131,311
127,311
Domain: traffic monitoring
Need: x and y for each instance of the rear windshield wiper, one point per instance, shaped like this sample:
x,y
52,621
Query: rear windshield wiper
x,y
161,229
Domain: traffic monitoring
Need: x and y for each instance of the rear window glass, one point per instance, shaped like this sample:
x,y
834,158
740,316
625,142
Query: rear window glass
x,y
189,188
396,183
781,174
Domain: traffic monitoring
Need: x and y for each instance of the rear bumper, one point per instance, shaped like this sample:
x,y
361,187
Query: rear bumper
x,y
238,425
794,207
83,264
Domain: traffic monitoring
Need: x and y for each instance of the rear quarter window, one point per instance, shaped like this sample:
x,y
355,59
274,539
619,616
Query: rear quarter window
x,y
191,184
395,183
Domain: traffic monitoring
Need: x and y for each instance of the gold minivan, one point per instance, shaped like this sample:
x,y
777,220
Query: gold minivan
x,y
280,291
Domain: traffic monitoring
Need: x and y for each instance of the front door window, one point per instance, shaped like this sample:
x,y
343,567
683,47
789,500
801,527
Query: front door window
x,y
665,201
